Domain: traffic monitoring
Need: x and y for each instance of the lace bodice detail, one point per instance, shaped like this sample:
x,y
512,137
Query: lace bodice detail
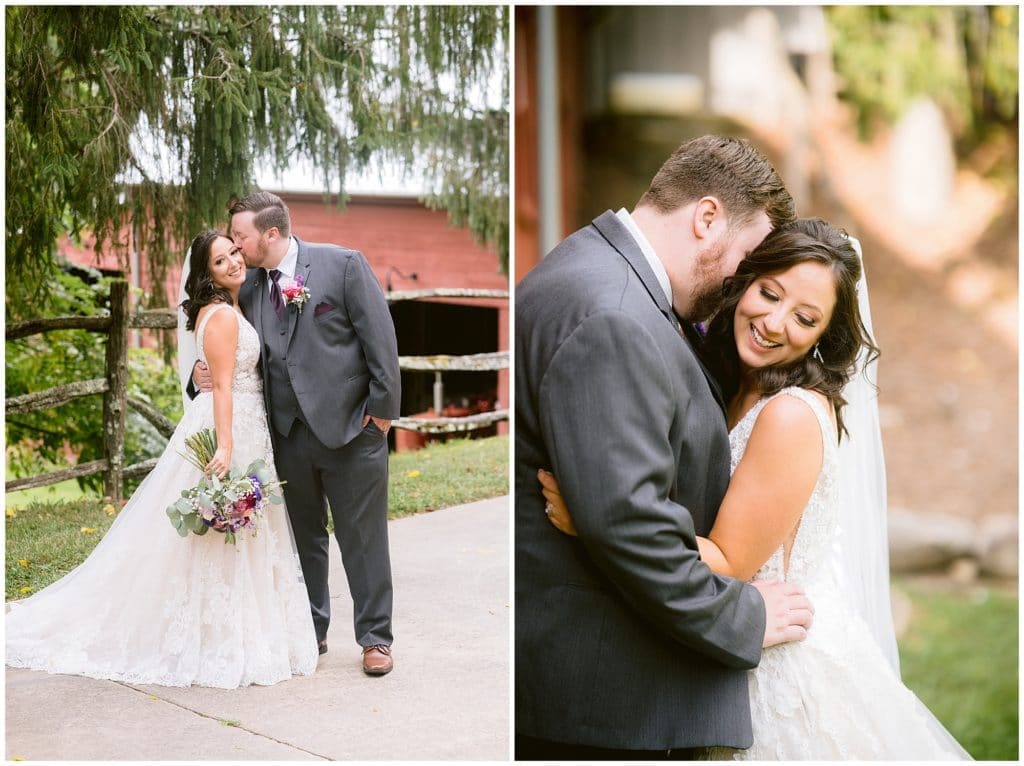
x,y
246,378
834,695
819,522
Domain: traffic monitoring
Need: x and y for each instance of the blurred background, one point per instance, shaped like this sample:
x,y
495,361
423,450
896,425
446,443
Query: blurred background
x,y
899,124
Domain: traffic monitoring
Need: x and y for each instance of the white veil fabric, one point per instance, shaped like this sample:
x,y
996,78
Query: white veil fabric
x,y
863,559
864,539
188,352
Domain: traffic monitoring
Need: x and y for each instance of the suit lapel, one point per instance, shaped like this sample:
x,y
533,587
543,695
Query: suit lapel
x,y
303,266
613,230
252,306
693,340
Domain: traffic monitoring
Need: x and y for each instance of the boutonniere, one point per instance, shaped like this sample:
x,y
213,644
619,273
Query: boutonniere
x,y
295,292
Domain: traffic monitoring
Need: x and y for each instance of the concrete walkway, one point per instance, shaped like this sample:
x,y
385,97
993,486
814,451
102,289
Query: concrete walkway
x,y
447,699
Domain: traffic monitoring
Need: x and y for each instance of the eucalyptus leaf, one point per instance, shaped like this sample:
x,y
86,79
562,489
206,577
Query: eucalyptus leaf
x,y
196,523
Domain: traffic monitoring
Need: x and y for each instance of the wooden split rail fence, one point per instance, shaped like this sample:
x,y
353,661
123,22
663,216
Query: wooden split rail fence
x,y
114,385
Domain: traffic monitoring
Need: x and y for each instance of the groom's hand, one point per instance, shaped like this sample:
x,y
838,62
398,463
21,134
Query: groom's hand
x,y
788,612
201,377
383,425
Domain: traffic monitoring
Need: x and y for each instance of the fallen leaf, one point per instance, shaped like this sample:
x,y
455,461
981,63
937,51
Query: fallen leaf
x,y
88,530
26,589
110,509
23,562
412,474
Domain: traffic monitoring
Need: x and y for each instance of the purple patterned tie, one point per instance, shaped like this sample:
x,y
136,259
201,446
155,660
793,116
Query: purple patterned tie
x,y
275,294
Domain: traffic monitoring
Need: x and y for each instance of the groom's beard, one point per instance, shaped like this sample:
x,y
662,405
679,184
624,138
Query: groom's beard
x,y
707,282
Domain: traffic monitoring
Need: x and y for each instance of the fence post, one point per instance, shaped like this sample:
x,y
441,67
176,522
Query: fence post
x,y
116,398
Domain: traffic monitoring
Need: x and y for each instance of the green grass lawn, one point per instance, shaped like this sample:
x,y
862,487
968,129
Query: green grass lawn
x,y
64,491
45,540
49,533
960,658
443,475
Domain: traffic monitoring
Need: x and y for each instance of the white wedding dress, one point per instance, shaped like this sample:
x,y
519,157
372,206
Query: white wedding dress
x,y
150,607
833,696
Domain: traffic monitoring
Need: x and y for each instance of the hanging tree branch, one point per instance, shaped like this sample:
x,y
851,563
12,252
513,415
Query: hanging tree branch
x,y
159,115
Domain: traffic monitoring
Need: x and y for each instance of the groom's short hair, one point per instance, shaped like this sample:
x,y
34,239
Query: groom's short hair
x,y
727,168
270,212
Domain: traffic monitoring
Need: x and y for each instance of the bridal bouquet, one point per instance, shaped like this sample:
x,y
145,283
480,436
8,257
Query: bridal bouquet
x,y
223,505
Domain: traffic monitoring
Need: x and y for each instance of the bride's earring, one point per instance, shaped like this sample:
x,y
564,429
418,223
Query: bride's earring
x,y
817,354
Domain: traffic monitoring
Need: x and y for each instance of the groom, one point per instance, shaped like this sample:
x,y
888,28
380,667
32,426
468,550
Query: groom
x,y
627,645
331,385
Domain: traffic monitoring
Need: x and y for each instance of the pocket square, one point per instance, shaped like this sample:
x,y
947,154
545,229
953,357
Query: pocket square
x,y
322,308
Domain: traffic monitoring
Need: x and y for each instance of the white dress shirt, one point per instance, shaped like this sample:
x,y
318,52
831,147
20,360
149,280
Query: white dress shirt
x,y
288,263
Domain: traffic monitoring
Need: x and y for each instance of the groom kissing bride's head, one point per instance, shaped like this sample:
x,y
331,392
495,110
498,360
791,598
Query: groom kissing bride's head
x,y
612,401
708,206
700,496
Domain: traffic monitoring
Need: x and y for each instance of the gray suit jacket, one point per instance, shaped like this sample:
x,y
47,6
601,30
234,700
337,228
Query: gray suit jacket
x,y
624,638
342,350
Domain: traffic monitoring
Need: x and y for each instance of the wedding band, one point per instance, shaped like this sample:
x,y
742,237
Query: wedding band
x,y
549,508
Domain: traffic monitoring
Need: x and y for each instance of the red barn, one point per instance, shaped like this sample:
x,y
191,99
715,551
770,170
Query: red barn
x,y
410,247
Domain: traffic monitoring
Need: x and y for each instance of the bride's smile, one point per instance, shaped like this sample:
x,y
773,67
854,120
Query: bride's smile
x,y
760,340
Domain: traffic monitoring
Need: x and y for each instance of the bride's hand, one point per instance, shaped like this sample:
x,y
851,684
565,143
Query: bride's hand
x,y
220,462
556,509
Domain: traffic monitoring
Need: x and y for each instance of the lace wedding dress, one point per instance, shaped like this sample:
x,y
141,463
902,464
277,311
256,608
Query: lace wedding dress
x,y
833,696
150,607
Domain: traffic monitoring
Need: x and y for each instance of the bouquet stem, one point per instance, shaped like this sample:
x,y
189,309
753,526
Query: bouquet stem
x,y
201,447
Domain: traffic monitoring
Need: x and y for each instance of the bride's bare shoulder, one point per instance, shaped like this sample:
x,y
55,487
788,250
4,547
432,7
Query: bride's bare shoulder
x,y
215,323
214,308
783,413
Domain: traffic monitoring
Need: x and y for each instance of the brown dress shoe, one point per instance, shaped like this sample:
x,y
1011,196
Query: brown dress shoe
x,y
321,646
377,660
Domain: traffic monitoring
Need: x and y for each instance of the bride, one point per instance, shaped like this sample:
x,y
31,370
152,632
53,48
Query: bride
x,y
148,607
784,345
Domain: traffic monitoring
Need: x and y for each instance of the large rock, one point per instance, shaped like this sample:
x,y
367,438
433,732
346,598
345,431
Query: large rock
x,y
997,545
927,541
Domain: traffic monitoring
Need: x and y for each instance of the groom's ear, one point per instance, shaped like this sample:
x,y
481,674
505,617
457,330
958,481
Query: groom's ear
x,y
708,218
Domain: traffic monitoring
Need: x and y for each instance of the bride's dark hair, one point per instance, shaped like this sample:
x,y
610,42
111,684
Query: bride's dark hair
x,y
200,286
806,239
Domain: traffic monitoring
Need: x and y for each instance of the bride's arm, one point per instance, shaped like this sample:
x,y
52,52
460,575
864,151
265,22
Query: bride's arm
x,y
767,493
220,339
